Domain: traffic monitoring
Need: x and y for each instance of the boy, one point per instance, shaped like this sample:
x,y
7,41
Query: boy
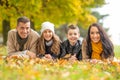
x,y
71,48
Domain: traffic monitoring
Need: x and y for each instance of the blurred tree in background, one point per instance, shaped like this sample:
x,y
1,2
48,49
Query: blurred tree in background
x,y
59,12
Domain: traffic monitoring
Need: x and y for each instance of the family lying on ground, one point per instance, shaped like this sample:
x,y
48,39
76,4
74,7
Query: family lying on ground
x,y
26,43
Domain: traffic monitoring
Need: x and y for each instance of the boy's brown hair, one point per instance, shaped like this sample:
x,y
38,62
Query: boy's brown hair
x,y
72,27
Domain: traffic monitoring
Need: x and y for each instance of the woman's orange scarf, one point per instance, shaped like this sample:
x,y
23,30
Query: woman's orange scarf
x,y
96,50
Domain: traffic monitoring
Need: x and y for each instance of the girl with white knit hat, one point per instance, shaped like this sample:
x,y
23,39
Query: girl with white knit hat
x,y
48,45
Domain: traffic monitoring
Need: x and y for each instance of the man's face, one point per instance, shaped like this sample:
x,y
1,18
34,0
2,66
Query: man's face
x,y
23,29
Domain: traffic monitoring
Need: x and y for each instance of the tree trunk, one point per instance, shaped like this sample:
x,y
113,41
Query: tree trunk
x,y
6,28
32,25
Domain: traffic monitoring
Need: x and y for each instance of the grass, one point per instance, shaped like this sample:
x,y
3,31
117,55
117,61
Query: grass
x,y
18,69
3,50
117,51
61,70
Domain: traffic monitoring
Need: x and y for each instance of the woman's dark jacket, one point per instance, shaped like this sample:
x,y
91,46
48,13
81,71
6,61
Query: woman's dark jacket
x,y
48,51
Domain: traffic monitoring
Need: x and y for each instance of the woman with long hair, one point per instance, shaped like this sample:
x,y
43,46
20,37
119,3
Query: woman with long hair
x,y
97,44
48,45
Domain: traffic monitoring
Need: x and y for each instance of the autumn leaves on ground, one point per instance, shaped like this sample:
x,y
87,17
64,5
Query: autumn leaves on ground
x,y
39,69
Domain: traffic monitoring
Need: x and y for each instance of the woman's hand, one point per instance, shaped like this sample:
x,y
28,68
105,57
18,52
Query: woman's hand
x,y
48,56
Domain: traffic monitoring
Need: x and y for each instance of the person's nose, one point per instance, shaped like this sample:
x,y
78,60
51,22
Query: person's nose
x,y
25,30
47,33
73,35
95,35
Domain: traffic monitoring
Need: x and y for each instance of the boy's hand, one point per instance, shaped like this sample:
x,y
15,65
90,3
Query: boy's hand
x,y
73,57
67,56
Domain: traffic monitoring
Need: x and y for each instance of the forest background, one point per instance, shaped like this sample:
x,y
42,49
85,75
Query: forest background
x,y
60,12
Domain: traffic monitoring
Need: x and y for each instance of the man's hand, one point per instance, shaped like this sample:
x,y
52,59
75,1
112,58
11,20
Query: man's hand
x,y
31,54
16,56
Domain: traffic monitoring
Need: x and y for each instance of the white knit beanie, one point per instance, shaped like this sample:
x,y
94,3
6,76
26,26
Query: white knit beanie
x,y
47,25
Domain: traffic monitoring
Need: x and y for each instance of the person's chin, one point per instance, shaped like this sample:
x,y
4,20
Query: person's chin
x,y
23,37
95,41
48,39
74,42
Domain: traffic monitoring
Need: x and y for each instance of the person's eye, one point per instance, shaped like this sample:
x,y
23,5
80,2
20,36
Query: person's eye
x,y
45,31
75,33
27,28
22,28
50,31
70,34
97,33
92,33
